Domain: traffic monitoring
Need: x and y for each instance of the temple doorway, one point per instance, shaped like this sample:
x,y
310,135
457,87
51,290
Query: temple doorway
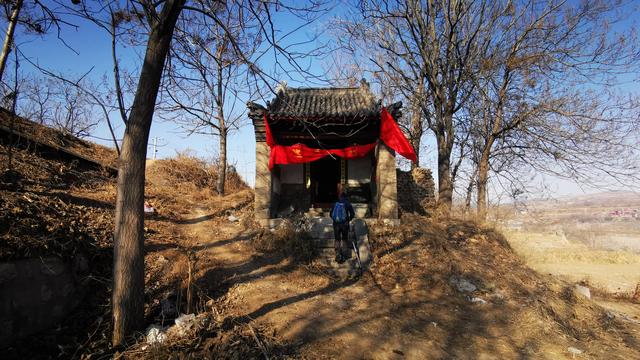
x,y
325,177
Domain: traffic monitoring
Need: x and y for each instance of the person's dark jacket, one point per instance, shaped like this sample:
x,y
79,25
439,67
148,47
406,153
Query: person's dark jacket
x,y
348,207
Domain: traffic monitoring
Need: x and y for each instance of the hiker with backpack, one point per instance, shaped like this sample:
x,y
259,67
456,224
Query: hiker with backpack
x,y
341,214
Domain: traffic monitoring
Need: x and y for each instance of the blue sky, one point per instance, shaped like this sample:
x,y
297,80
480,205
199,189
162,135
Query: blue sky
x,y
91,49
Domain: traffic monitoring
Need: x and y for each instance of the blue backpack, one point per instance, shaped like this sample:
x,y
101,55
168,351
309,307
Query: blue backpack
x,y
339,214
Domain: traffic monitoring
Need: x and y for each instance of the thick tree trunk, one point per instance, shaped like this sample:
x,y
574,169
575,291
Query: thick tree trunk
x,y
128,268
8,38
445,184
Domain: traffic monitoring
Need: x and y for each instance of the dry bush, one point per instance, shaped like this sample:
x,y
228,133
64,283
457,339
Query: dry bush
x,y
183,171
289,238
190,174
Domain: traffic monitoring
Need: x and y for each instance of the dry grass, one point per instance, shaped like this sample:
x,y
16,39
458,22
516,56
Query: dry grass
x,y
555,248
290,238
539,315
178,185
46,135
188,173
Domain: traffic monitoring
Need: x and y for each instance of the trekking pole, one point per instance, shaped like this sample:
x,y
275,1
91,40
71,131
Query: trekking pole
x,y
354,240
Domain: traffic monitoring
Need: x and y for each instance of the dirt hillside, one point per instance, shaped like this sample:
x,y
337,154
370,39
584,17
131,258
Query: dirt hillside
x,y
437,289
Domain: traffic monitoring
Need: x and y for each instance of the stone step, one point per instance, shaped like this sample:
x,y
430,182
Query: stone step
x,y
361,211
326,258
323,239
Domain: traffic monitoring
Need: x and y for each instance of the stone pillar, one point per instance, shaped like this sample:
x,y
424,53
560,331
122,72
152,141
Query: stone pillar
x,y
386,183
262,205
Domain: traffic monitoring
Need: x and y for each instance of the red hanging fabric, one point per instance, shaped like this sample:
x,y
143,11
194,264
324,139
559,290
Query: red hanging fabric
x,y
391,135
301,153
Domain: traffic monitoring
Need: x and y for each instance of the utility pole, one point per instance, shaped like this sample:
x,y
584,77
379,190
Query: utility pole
x,y
155,146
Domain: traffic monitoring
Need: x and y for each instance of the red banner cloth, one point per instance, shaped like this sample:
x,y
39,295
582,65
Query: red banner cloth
x,y
390,134
301,153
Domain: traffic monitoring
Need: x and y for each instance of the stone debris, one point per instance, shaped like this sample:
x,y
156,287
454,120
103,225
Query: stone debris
x,y
232,218
155,335
288,211
574,351
583,290
477,300
185,323
463,285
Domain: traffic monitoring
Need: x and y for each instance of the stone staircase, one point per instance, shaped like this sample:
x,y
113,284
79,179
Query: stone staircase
x,y
322,235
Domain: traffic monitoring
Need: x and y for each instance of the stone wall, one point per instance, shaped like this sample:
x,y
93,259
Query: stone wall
x,y
416,190
263,204
295,198
35,294
386,183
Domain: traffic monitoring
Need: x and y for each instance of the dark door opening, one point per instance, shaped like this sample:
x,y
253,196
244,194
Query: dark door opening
x,y
325,177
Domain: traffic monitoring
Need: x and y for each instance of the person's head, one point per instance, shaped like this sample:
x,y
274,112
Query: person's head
x,y
343,195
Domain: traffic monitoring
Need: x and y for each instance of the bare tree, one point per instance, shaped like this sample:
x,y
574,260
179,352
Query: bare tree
x,y
37,97
433,46
161,19
128,269
35,16
8,38
207,80
535,104
41,97
71,111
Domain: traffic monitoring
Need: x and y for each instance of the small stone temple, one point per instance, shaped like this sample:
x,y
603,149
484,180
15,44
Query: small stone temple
x,y
312,143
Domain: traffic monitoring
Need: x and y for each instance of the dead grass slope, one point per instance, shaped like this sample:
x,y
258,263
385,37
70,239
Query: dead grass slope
x,y
508,310
52,207
56,138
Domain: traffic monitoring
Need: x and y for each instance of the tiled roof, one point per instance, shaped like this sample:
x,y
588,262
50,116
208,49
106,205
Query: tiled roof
x,y
321,115
320,102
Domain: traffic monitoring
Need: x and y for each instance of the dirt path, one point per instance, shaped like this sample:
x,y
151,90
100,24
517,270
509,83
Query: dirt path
x,y
326,318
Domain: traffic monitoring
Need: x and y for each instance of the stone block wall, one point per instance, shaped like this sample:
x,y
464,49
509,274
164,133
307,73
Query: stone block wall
x,y
416,190
294,196
35,294
386,183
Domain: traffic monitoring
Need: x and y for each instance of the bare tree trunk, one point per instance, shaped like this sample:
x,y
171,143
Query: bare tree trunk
x,y
222,170
483,177
445,185
128,269
416,134
8,39
470,186
483,163
222,166
416,123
